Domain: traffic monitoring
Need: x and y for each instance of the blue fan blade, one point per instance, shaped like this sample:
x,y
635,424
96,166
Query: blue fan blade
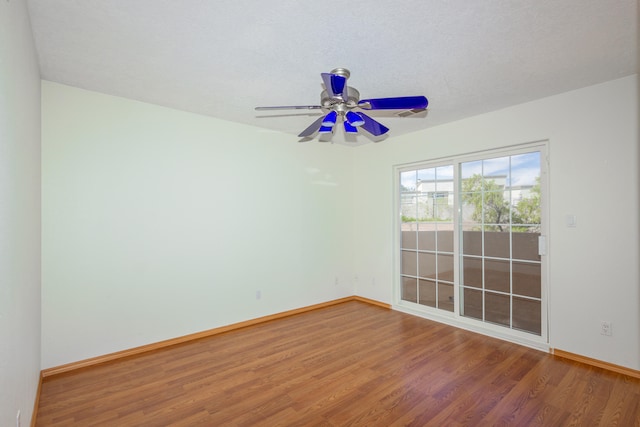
x,y
330,119
354,119
312,129
326,129
401,103
372,126
336,85
350,129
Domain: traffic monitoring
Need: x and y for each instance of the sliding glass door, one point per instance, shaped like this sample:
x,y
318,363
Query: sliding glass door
x,y
427,240
500,264
471,238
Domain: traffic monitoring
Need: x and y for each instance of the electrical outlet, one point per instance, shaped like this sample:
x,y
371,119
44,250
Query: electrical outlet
x,y
258,294
336,281
605,328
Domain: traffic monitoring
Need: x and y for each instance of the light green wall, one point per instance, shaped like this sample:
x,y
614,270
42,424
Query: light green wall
x,y
159,223
19,215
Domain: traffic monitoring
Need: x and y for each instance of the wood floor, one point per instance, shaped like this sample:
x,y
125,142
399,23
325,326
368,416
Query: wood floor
x,y
351,364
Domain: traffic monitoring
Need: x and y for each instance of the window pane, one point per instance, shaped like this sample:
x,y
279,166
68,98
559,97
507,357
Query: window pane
x,y
409,289
496,208
525,188
496,170
427,236
526,207
445,296
496,242
471,171
427,292
408,208
445,238
409,267
525,244
471,208
427,265
443,206
472,272
472,306
525,169
426,208
526,279
445,267
471,241
426,177
408,239
527,315
444,175
497,308
496,275
408,181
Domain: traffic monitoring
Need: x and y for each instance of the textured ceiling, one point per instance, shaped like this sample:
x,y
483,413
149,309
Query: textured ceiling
x,y
222,58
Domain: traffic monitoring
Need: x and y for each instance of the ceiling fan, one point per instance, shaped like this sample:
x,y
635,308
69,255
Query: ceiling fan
x,y
339,101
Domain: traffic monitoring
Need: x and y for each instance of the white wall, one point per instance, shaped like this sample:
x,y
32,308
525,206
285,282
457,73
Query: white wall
x,y
19,215
159,223
594,161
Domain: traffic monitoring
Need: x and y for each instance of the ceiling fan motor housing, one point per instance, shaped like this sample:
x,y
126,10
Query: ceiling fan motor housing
x,y
339,105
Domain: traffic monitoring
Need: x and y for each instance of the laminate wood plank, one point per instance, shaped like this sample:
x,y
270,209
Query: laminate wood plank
x,y
350,364
621,396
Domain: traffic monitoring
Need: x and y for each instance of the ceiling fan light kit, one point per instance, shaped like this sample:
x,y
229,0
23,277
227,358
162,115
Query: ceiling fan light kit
x,y
340,101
